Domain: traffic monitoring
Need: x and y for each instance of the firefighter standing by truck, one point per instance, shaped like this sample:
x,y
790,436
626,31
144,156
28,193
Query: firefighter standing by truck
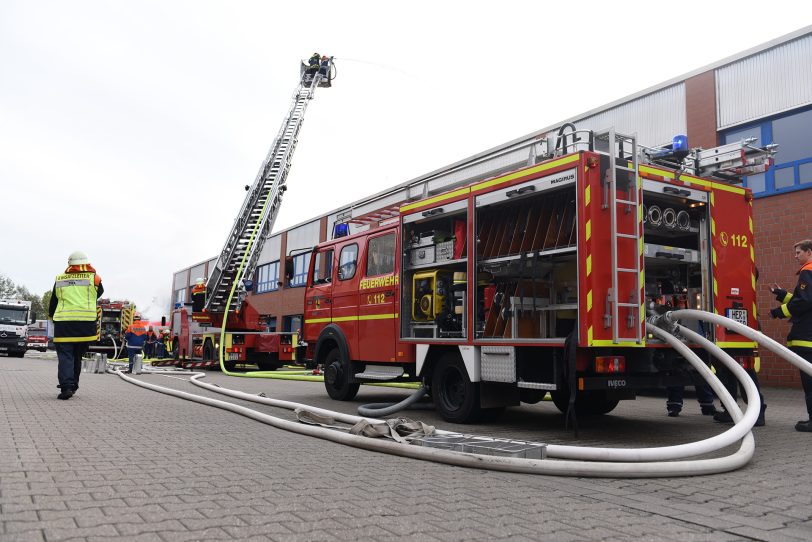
x,y
198,295
73,311
136,337
797,306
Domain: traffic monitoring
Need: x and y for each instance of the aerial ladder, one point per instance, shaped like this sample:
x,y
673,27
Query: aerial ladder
x,y
238,258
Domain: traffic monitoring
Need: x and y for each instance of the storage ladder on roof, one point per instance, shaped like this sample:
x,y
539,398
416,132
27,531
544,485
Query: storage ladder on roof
x,y
255,221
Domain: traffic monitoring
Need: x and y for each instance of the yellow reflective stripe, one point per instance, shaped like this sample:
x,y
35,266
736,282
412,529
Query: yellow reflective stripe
x,y
588,227
352,318
75,339
757,364
588,265
524,172
588,196
744,344
317,320
785,310
787,298
612,343
666,174
378,317
589,300
442,197
802,344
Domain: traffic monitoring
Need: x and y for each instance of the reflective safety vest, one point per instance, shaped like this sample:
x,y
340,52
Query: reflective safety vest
x,y
76,295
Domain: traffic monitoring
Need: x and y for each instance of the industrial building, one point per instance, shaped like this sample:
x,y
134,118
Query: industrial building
x,y
764,93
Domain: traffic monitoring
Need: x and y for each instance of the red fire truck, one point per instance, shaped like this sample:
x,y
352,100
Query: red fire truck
x,y
196,340
226,311
541,279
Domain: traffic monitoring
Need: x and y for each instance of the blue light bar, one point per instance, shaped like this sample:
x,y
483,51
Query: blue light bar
x,y
679,143
341,230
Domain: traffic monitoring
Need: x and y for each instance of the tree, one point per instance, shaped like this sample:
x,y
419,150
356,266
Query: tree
x,y
11,290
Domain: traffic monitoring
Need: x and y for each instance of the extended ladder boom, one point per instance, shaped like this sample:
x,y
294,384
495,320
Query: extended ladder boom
x,y
255,221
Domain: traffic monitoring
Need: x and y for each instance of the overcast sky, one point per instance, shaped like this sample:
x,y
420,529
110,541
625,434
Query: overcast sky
x,y
128,129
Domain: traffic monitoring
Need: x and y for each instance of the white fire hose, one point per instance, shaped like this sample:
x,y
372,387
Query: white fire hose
x,y
667,461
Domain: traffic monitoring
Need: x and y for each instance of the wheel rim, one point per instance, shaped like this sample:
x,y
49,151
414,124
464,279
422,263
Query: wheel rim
x,y
453,389
332,375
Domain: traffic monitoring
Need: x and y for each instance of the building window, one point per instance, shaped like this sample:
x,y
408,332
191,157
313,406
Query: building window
x,y
180,297
381,255
267,277
347,262
301,265
271,323
292,323
792,169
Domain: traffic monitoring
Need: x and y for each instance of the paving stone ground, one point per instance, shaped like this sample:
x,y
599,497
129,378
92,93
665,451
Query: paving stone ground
x,y
120,461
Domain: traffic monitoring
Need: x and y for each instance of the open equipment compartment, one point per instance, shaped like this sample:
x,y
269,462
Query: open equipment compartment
x,y
675,248
433,289
526,262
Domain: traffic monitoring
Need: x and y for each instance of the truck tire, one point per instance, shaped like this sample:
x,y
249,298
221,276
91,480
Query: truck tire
x,y
456,398
337,377
587,403
270,363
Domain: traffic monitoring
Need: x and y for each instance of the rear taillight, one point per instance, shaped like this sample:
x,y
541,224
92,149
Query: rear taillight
x,y
747,362
610,364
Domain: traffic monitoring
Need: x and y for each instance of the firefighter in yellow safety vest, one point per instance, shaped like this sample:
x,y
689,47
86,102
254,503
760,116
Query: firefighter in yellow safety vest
x,y
73,311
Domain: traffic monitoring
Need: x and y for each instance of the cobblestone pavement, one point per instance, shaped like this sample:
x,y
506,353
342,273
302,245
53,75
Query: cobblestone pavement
x,y
122,461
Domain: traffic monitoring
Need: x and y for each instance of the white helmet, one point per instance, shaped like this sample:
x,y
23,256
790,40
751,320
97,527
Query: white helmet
x,y
200,281
78,258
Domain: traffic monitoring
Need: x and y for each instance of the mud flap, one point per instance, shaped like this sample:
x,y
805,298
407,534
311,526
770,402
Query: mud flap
x,y
570,366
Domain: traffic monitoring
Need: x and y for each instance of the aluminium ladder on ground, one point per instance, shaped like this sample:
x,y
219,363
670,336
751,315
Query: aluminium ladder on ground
x,y
255,221
622,153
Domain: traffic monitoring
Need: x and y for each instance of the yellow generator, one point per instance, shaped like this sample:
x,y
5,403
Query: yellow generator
x,y
429,291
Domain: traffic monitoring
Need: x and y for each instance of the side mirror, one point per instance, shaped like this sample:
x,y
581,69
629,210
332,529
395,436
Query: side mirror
x,y
33,317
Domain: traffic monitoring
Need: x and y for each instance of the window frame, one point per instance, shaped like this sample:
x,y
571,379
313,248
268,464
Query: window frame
x,y
370,240
299,280
272,281
341,265
765,127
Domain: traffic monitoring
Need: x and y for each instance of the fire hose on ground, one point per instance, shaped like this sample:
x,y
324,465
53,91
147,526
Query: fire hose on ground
x,y
667,461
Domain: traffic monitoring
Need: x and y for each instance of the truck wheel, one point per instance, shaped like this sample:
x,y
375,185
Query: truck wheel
x,y
337,377
455,396
268,364
587,403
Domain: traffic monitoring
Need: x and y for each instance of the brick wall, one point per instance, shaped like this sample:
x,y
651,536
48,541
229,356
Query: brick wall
x,y
779,222
700,110
285,301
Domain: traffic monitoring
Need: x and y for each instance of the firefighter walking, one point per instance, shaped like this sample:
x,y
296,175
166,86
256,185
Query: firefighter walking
x,y
136,337
73,311
797,306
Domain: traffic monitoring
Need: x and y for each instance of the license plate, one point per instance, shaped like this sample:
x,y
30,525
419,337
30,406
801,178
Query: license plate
x,y
234,356
739,315
3,348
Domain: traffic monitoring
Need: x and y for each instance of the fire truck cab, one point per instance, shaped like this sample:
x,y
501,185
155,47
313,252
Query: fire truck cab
x,y
538,280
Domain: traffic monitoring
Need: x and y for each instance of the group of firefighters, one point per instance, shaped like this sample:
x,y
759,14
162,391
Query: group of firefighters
x,y
142,338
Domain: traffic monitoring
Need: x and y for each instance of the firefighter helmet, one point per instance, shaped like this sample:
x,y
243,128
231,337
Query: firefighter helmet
x,y
136,317
78,258
200,281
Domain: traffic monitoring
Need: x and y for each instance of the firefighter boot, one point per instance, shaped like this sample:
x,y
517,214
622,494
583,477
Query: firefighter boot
x,y
760,422
804,426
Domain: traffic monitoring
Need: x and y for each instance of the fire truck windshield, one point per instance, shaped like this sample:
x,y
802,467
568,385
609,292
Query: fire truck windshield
x,y
13,315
